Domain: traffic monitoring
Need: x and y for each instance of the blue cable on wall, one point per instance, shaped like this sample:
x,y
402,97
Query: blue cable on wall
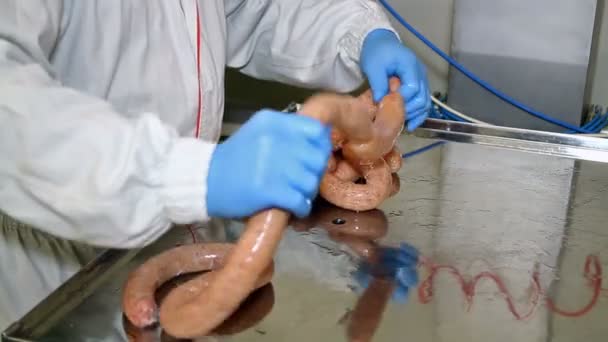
x,y
595,125
478,80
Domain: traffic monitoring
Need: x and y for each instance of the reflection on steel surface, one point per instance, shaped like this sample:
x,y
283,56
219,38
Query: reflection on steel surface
x,y
65,298
592,272
360,231
471,208
539,142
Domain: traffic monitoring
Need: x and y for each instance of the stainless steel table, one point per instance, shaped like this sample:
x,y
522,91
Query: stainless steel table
x,y
478,210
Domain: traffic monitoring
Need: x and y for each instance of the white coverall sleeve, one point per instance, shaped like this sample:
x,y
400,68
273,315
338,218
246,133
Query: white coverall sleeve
x,y
74,167
306,43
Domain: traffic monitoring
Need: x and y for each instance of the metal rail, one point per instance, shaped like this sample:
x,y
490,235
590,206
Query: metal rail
x,y
572,146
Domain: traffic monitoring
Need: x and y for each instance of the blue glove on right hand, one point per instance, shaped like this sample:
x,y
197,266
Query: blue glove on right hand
x,y
383,56
275,160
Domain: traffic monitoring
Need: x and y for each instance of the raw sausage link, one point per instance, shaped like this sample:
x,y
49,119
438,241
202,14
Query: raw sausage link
x,y
257,306
359,197
138,299
387,126
197,315
196,308
396,185
252,253
346,172
394,159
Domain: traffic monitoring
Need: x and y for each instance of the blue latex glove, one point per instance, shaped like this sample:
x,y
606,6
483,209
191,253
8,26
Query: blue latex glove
x,y
275,160
384,56
398,263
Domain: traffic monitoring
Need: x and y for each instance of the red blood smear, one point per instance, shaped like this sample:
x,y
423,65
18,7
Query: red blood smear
x,y
592,272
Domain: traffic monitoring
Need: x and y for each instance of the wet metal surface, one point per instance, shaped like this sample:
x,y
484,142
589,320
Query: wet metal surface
x,y
512,247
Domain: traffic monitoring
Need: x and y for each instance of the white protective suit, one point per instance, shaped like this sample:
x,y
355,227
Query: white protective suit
x,y
99,108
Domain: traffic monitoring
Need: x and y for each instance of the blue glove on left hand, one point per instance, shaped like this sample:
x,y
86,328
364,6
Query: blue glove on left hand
x,y
383,56
274,160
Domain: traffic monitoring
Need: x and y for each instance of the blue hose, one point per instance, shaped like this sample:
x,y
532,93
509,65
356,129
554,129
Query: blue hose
x,y
476,79
591,124
598,128
596,123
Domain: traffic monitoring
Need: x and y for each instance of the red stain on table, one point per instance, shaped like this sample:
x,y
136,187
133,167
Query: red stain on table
x,y
592,273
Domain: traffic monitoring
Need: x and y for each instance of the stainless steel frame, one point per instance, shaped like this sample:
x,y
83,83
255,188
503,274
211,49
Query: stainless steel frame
x,y
547,143
572,146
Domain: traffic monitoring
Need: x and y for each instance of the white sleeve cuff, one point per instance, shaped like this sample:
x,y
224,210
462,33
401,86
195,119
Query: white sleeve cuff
x,y
185,181
371,18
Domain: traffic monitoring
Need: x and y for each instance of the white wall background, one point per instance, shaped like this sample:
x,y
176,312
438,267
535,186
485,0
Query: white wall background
x,y
433,18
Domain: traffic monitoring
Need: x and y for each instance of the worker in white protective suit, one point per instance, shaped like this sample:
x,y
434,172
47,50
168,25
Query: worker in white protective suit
x,y
110,113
